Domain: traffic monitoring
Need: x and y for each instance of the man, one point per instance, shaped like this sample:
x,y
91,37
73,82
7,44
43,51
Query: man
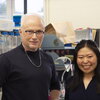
x,y
26,72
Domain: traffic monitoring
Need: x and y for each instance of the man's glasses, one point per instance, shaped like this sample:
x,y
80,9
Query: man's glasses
x,y
39,32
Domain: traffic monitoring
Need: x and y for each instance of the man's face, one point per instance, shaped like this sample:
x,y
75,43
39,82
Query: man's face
x,y
32,34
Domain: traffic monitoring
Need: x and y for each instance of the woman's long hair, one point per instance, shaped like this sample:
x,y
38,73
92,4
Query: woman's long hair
x,y
78,74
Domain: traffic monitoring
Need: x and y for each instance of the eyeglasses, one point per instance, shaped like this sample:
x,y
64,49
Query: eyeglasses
x,y
39,32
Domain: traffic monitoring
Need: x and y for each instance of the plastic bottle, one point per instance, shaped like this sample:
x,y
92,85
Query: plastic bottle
x,y
5,44
11,40
17,37
0,43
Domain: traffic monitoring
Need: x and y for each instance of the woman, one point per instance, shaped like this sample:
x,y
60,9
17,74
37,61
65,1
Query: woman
x,y
85,84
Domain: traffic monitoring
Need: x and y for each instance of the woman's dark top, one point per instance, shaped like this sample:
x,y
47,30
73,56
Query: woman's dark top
x,y
83,94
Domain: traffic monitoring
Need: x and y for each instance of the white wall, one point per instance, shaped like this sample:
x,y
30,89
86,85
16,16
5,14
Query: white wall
x,y
82,13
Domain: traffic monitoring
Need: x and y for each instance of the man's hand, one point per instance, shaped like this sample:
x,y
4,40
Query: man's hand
x,y
54,95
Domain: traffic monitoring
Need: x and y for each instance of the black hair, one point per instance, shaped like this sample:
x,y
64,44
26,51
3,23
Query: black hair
x,y
78,74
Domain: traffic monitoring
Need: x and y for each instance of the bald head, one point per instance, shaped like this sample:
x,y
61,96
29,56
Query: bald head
x,y
32,31
31,19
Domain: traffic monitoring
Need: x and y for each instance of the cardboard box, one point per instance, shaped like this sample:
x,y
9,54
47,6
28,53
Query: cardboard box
x,y
63,30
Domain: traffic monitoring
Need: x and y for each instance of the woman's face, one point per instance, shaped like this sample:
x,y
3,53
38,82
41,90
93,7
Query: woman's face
x,y
86,60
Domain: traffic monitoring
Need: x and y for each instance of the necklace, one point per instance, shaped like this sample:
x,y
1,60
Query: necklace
x,y
32,61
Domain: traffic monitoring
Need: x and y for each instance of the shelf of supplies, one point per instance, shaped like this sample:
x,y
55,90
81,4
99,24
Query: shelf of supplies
x,y
69,47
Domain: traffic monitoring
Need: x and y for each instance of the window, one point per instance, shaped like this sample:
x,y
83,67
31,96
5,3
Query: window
x,y
27,6
33,6
19,7
3,8
6,9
